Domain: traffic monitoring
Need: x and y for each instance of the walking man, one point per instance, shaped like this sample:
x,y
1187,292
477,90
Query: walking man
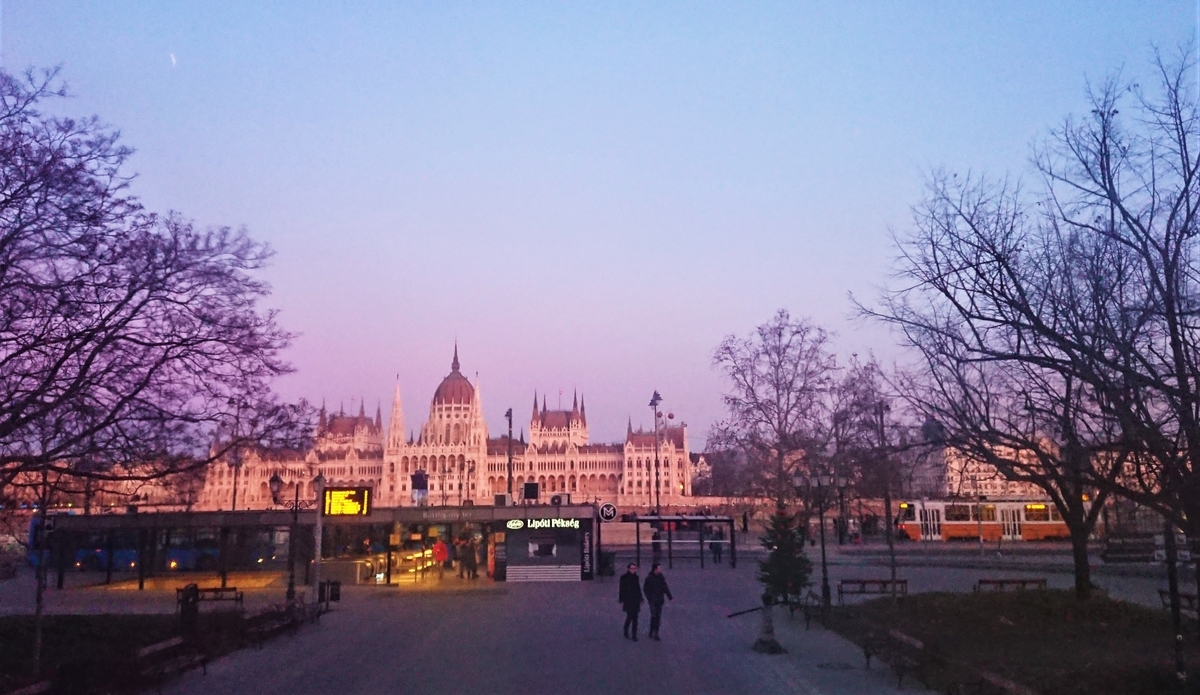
x,y
656,591
630,598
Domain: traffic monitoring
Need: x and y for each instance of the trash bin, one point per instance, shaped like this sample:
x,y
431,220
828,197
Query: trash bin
x,y
328,591
608,563
189,609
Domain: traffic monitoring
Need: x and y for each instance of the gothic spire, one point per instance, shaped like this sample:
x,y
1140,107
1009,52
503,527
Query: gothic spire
x,y
454,363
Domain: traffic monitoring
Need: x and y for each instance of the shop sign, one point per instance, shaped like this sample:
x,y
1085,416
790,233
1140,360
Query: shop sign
x,y
517,524
552,523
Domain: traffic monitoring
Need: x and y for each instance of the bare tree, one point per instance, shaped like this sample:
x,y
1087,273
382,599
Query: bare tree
x,y
781,380
125,337
1062,326
132,345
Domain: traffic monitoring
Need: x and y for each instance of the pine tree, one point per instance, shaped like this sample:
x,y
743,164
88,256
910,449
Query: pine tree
x,y
784,573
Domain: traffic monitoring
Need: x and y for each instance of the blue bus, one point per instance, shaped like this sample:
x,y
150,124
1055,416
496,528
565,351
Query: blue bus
x,y
171,550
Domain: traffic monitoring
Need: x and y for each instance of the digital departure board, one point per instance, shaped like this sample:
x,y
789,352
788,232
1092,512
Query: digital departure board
x,y
347,501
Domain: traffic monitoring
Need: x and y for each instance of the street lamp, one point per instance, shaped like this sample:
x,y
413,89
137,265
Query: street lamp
x,y
843,529
318,532
654,401
276,485
818,486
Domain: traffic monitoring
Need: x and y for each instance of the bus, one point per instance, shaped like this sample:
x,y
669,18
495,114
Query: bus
x,y
1012,520
172,550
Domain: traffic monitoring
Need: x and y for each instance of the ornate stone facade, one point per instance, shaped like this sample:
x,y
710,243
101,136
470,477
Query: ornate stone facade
x,y
462,462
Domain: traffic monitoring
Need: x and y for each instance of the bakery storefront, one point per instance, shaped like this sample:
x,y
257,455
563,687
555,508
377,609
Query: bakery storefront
x,y
546,548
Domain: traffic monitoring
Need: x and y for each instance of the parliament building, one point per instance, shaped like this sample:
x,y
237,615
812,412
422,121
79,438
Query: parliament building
x,y
462,463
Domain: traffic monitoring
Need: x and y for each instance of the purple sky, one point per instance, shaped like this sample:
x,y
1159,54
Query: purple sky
x,y
585,197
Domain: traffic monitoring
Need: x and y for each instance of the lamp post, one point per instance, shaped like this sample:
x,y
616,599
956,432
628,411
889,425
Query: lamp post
x,y
818,486
276,485
842,525
654,401
235,462
508,415
318,532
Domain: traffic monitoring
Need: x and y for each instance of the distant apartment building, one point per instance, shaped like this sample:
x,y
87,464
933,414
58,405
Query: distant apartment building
x,y
948,472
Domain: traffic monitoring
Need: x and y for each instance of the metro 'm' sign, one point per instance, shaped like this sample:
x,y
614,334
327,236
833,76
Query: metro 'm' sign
x,y
347,501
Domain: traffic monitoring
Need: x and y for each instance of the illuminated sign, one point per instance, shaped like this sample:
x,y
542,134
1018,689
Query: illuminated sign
x,y
553,523
518,524
347,501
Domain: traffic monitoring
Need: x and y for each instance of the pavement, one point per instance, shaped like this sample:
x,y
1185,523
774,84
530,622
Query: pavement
x,y
459,636
545,638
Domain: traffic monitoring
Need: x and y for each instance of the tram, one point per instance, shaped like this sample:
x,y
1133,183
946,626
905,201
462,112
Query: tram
x,y
949,520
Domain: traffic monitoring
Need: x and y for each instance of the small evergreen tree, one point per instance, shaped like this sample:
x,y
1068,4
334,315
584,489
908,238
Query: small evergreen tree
x,y
786,570
784,573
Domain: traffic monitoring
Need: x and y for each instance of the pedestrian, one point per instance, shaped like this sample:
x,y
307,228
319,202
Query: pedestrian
x,y
459,544
630,598
469,559
656,591
440,555
715,546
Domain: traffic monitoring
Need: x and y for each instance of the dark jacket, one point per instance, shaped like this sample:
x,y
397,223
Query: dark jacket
x,y
630,594
656,589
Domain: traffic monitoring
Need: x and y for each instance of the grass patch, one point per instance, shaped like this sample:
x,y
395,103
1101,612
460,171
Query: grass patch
x,y
1046,640
95,653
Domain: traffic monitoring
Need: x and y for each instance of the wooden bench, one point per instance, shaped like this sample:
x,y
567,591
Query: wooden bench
x,y
1187,603
167,658
810,605
1006,584
279,618
903,653
870,587
215,593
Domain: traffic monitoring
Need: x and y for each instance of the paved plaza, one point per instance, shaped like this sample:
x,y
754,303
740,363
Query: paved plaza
x,y
464,637
544,638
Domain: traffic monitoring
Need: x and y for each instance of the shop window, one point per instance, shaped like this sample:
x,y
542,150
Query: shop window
x,y
543,547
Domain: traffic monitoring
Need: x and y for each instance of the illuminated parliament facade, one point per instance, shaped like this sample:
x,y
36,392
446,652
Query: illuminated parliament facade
x,y
463,464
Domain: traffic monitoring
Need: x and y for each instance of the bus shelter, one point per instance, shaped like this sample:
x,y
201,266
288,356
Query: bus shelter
x,y
686,531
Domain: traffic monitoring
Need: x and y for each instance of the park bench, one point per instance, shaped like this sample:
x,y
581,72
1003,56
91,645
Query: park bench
x,y
216,593
163,659
869,587
810,605
1006,584
1187,603
906,655
280,617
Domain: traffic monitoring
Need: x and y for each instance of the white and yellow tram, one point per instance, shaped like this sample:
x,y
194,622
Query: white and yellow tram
x,y
947,520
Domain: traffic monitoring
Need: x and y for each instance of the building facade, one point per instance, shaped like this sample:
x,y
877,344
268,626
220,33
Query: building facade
x,y
462,463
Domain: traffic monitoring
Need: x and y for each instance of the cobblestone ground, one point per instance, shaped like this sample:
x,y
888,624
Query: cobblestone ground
x,y
544,638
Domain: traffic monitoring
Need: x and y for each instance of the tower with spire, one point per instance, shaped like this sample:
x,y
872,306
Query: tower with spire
x,y
558,428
